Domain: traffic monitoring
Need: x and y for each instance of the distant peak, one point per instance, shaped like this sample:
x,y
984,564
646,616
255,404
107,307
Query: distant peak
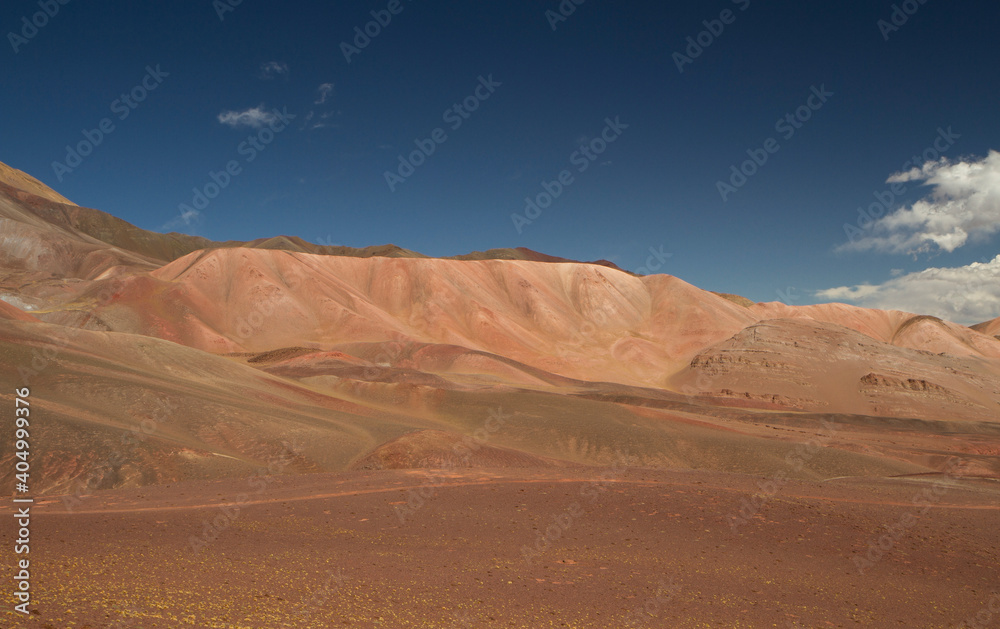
x,y
736,299
530,255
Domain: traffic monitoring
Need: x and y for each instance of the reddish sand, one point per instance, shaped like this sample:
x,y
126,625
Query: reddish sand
x,y
517,548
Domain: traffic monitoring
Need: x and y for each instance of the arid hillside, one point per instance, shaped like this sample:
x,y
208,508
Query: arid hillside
x,y
157,358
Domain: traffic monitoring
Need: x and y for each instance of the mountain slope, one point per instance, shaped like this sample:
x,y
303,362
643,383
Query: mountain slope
x,y
816,366
23,181
579,321
991,328
575,319
902,329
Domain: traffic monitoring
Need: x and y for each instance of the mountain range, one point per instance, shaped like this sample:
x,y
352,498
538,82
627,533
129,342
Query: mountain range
x,y
385,357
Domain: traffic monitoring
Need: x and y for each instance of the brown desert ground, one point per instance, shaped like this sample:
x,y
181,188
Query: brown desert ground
x,y
281,434
622,548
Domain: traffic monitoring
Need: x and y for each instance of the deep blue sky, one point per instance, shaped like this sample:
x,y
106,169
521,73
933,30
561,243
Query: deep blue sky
x,y
655,186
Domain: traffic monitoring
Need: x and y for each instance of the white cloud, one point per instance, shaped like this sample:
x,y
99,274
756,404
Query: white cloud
x,y
185,218
273,69
966,294
964,206
325,125
255,117
324,91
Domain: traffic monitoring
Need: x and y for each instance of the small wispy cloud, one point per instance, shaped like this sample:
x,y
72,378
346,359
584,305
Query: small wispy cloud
x,y
966,294
273,69
963,207
323,92
326,122
317,119
184,219
255,117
